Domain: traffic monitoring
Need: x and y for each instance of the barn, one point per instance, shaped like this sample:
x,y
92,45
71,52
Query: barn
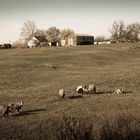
x,y
78,39
84,39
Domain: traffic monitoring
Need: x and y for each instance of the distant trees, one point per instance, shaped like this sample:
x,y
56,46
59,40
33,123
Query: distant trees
x,y
19,44
28,30
67,32
53,34
132,32
41,32
100,39
118,31
124,33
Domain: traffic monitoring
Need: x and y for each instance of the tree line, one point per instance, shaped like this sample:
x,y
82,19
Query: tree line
x,y
53,34
120,32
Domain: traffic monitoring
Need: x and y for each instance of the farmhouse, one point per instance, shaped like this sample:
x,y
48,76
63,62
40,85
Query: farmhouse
x,y
40,41
78,39
37,41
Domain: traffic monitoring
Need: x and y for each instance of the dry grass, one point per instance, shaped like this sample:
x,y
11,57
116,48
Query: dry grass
x,y
121,126
73,129
36,75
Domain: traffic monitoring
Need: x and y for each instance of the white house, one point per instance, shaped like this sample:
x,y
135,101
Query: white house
x,y
37,41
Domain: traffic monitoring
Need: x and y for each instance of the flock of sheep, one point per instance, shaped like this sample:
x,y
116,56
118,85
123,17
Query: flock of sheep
x,y
10,108
90,89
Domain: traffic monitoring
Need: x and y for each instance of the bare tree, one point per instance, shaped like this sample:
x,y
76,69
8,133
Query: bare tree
x,y
41,32
133,31
66,33
100,39
53,34
118,31
19,44
28,30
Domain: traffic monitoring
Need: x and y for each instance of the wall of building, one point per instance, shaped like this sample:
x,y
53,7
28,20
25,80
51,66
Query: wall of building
x,y
84,40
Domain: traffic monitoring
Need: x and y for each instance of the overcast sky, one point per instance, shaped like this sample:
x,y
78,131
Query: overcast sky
x,y
83,16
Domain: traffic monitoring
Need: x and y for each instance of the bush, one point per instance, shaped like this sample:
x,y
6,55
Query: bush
x,y
73,129
19,44
120,127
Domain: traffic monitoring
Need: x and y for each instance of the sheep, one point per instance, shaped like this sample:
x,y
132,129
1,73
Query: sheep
x,y
4,110
16,106
62,93
81,89
119,91
92,89
86,89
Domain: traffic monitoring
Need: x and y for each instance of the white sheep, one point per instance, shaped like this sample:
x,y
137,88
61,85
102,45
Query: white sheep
x,y
92,89
119,91
62,93
4,110
80,89
16,106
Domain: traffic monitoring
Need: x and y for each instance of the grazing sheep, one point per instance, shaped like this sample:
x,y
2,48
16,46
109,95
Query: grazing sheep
x,y
119,91
62,93
92,89
85,89
80,89
16,106
4,110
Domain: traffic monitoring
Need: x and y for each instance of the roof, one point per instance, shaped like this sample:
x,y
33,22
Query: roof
x,y
41,38
83,35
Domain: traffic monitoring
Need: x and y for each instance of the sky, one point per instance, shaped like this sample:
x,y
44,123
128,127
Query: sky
x,y
93,17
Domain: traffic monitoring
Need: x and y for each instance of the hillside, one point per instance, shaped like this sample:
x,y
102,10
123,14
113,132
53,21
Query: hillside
x,y
36,75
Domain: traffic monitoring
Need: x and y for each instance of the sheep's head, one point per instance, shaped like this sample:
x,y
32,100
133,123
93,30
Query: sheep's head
x,y
10,106
122,90
80,89
62,93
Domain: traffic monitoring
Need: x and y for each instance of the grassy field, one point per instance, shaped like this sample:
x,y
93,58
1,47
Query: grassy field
x,y
36,75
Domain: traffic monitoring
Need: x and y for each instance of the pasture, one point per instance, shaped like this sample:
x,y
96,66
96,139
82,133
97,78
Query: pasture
x,y
35,76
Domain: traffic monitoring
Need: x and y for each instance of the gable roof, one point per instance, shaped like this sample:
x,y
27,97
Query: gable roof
x,y
83,35
41,38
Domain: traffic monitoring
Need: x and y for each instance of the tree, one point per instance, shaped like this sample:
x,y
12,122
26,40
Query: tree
x,y
133,31
66,33
118,31
53,34
28,30
19,44
41,32
99,39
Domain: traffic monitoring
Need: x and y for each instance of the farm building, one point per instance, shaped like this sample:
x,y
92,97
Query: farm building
x,y
78,39
38,41
69,40
84,39
5,46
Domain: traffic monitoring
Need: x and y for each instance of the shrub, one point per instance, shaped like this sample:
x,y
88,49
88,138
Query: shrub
x,y
120,127
19,44
74,129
